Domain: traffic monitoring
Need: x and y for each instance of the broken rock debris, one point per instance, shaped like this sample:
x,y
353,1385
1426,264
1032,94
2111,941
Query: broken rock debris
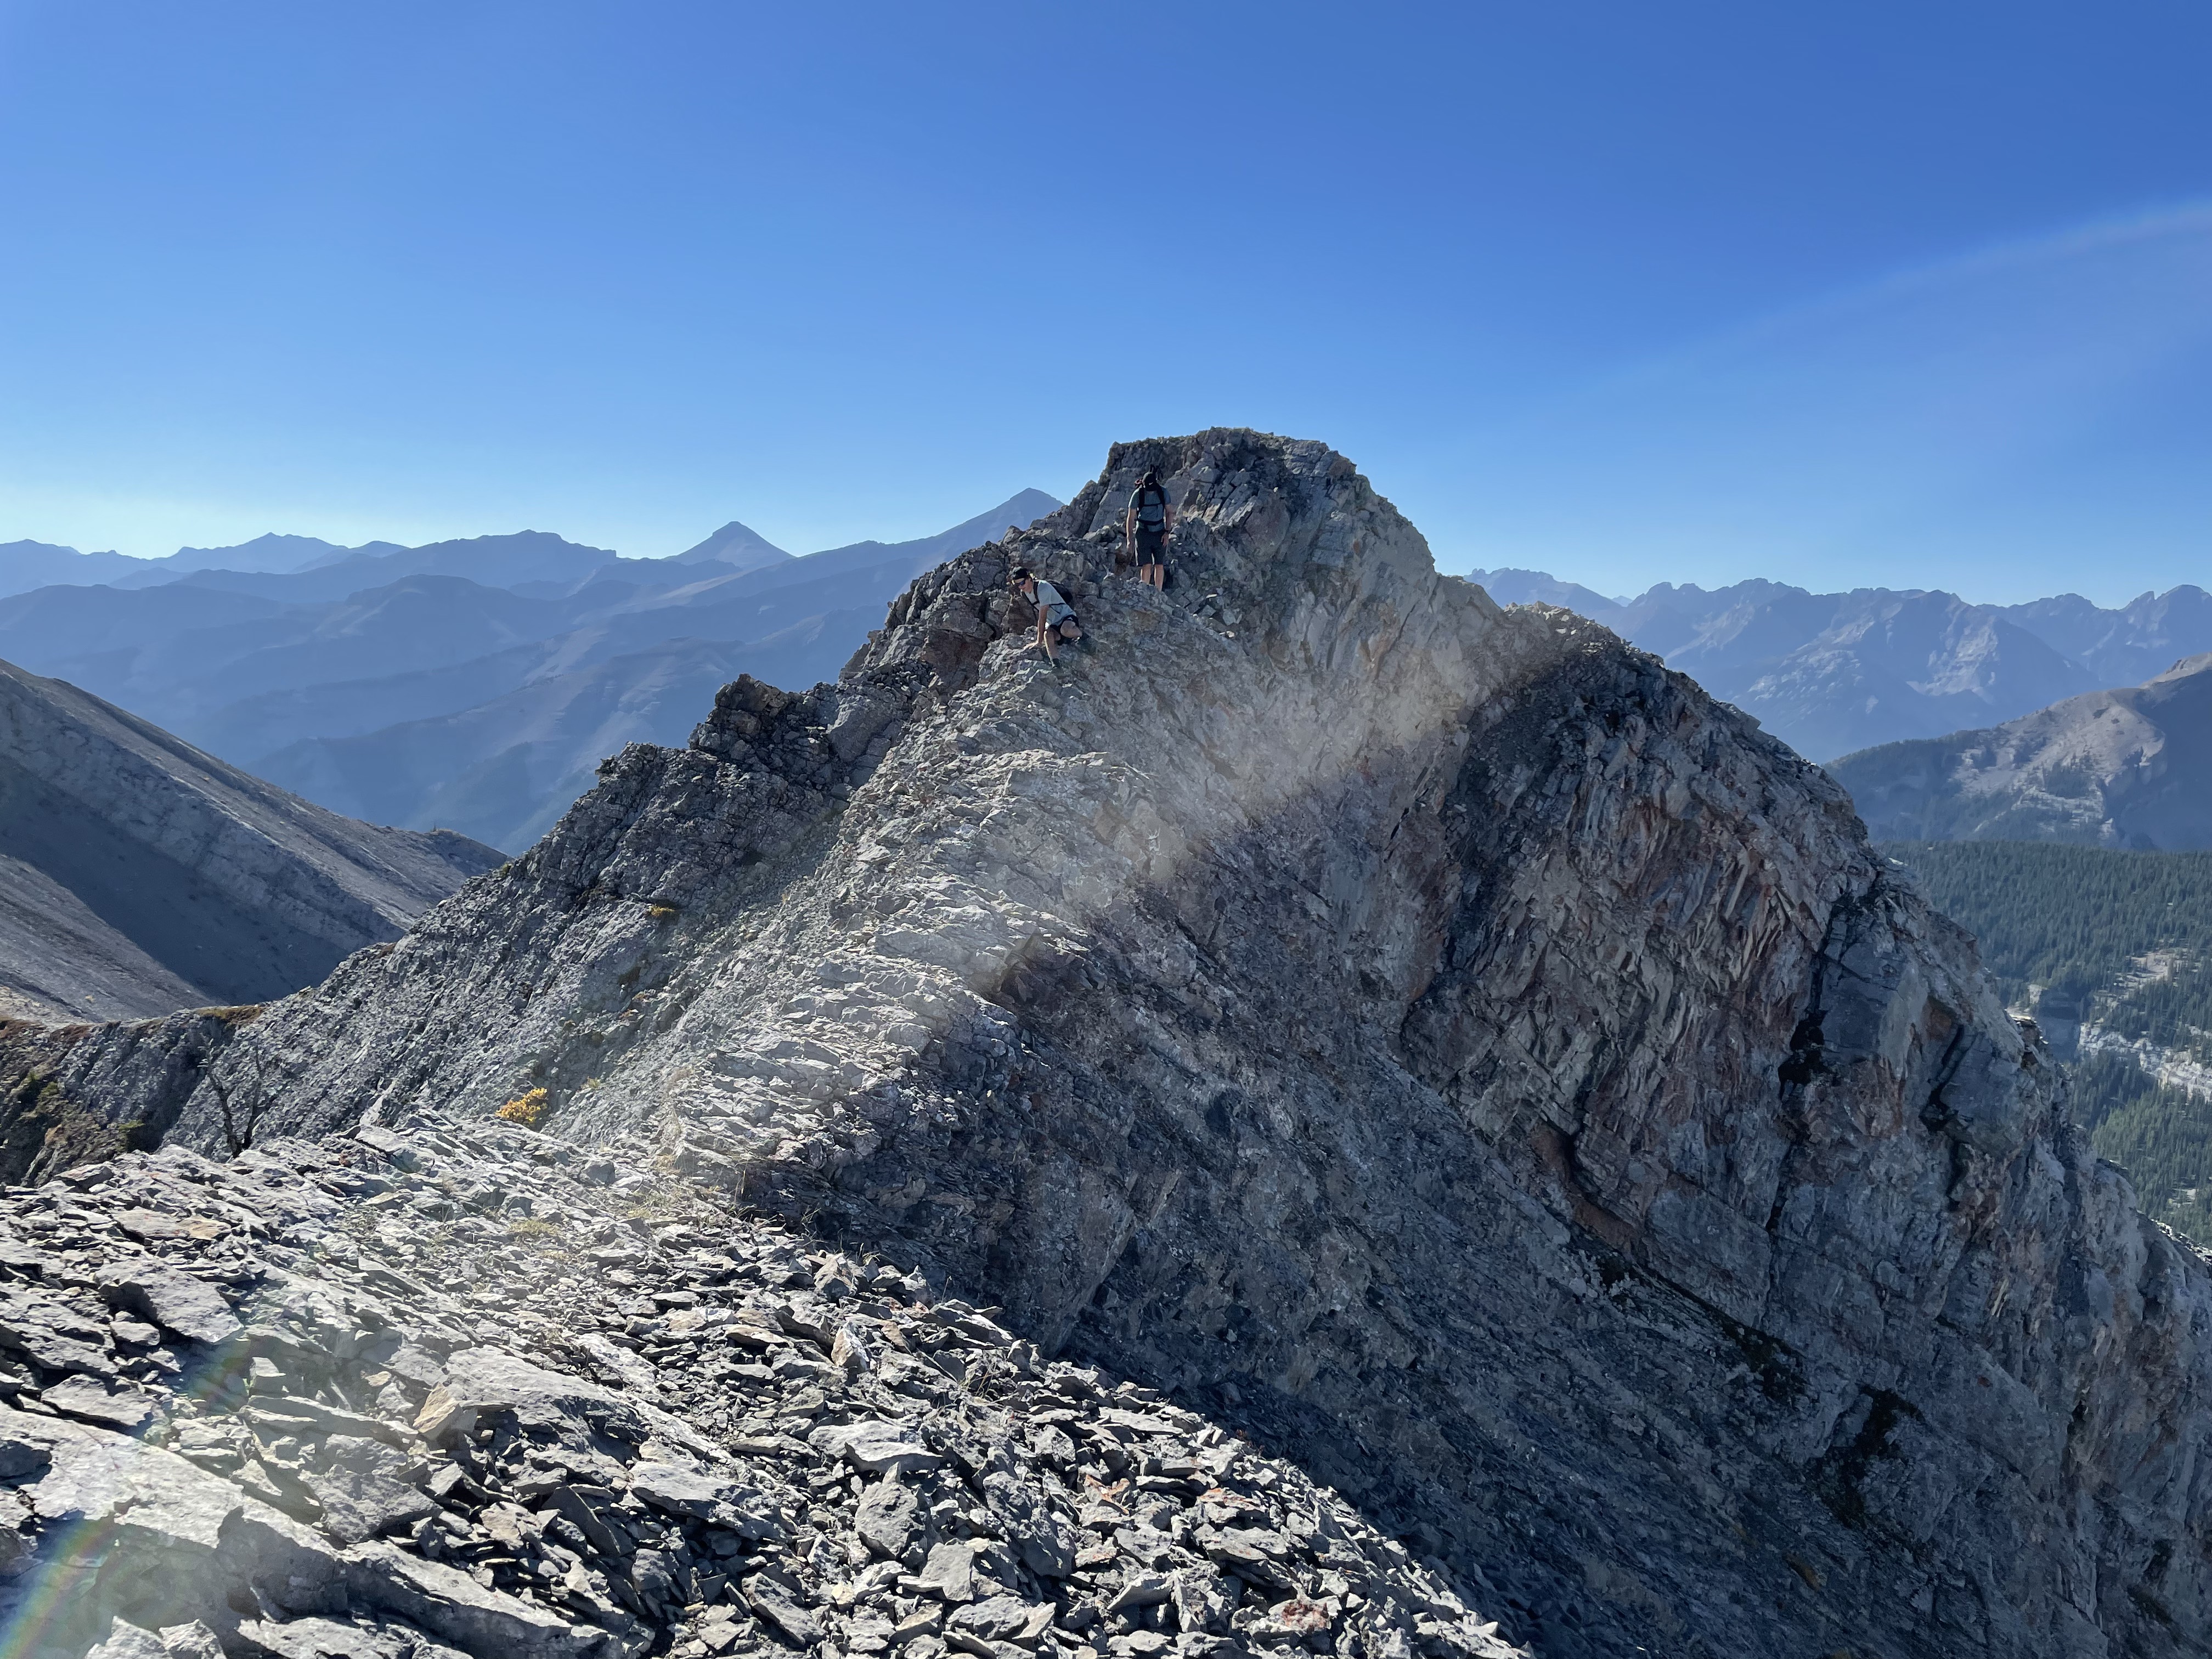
x,y
327,1412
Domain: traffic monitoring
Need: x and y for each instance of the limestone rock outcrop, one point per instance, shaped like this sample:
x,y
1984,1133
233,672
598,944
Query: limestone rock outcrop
x,y
1436,1039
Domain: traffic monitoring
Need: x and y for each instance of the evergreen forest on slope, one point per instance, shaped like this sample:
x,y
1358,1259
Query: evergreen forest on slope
x,y
2122,942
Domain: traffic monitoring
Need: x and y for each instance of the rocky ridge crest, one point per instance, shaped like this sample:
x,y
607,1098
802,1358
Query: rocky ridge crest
x,y
1436,1038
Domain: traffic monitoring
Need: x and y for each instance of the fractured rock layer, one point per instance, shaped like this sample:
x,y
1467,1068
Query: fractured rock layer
x,y
1437,1038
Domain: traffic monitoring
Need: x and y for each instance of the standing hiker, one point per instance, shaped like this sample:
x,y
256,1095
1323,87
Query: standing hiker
x,y
1055,617
1145,529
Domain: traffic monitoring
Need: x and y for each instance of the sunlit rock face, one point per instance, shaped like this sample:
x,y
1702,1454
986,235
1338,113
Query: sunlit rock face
x,y
1434,1037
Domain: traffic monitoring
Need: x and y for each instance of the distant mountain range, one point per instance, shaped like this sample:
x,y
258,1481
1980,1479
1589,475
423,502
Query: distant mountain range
x,y
1833,673
139,876
475,684
2127,768
27,565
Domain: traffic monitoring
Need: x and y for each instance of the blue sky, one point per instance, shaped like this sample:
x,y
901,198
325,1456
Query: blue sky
x,y
1905,293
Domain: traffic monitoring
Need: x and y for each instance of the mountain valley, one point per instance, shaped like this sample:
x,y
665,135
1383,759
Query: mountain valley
x,y
139,876
2111,953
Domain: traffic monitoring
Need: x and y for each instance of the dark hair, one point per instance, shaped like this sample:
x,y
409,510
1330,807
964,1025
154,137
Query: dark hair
x,y
1152,477
1021,573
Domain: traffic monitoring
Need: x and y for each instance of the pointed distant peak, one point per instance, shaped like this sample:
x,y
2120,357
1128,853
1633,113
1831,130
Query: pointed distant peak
x,y
1026,506
1018,512
735,545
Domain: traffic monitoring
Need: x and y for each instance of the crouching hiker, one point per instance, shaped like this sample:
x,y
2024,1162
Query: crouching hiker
x,y
1055,617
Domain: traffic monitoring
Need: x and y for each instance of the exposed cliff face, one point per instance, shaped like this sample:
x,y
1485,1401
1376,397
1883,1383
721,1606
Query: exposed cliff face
x,y
1436,1035
138,875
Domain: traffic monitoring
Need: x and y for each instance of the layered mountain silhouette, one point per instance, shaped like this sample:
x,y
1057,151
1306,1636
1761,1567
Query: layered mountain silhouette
x,y
339,672
2127,768
530,561
472,684
272,553
26,565
138,875
1833,674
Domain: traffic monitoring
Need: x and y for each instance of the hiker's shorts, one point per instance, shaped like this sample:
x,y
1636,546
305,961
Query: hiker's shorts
x,y
1151,547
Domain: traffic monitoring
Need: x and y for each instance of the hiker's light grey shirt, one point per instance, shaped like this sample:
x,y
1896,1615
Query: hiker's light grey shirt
x,y
1056,609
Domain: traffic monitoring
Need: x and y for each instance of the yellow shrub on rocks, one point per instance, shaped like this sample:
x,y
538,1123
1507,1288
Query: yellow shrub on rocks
x,y
526,1109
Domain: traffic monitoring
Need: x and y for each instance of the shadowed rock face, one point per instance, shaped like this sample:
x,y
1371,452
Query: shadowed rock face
x,y
1438,1037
